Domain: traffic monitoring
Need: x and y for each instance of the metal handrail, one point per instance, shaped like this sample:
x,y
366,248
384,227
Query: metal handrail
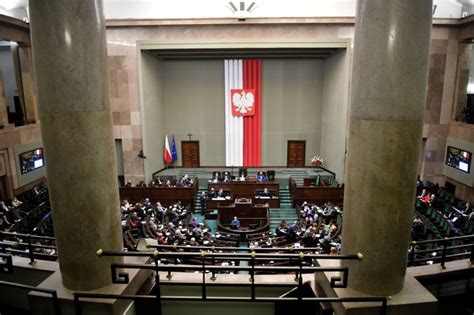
x,y
78,296
237,256
54,294
30,253
118,276
454,238
28,235
240,249
412,259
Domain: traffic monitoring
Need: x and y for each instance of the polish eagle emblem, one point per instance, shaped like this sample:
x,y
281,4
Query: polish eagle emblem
x,y
243,102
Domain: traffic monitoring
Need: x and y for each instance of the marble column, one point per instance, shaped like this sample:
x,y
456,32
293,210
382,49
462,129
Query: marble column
x,y
389,78
69,57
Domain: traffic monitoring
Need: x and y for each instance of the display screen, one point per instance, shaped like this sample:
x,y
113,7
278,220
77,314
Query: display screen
x,y
459,159
31,160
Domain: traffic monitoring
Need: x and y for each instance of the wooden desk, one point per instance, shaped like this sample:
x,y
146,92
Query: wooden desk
x,y
245,189
253,218
214,203
316,195
165,195
273,202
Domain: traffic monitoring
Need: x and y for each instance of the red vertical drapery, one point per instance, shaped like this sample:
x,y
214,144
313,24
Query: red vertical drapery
x,y
252,76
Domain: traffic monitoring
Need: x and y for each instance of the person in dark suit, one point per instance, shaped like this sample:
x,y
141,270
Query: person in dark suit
x,y
202,201
4,208
227,177
435,202
221,193
467,209
216,177
212,193
4,224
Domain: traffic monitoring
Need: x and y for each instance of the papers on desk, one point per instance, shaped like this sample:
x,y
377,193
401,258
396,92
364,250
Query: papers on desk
x,y
218,198
264,197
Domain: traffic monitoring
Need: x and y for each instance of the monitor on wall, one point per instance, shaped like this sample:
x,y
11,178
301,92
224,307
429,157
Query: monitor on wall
x,y
459,159
31,160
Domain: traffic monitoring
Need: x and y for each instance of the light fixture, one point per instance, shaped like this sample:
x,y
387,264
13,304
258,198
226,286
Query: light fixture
x,y
141,155
240,9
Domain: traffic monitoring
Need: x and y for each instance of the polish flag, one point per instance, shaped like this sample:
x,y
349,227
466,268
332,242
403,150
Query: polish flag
x,y
243,112
168,157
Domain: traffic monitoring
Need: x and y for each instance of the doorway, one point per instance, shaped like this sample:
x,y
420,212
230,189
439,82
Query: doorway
x,y
296,153
190,153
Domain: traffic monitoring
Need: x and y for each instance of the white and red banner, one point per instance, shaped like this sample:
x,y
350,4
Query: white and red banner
x,y
167,154
243,112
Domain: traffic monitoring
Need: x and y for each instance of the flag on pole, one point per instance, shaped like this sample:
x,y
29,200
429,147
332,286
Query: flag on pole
x,y
174,154
168,157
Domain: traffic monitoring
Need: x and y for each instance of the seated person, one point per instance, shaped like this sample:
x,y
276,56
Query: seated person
x,y
158,181
282,229
227,177
265,193
243,173
261,176
235,224
435,202
16,203
467,209
221,193
212,193
216,177
242,177
4,224
4,208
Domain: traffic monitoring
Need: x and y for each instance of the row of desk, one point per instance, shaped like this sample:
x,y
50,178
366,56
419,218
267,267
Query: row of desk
x,y
316,195
165,195
245,189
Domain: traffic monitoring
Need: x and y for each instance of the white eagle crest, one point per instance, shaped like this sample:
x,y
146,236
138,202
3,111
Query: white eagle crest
x,y
243,102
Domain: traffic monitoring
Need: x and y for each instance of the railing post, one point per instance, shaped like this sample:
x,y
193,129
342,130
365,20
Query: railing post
x,y
383,309
300,280
57,306
472,254
203,256
411,256
157,282
170,275
213,276
443,253
77,305
290,250
30,250
252,275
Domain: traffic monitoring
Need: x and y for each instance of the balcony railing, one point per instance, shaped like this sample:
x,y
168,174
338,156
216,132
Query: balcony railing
x,y
206,267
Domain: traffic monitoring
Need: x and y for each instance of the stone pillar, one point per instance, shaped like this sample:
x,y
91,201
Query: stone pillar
x,y
69,56
389,77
